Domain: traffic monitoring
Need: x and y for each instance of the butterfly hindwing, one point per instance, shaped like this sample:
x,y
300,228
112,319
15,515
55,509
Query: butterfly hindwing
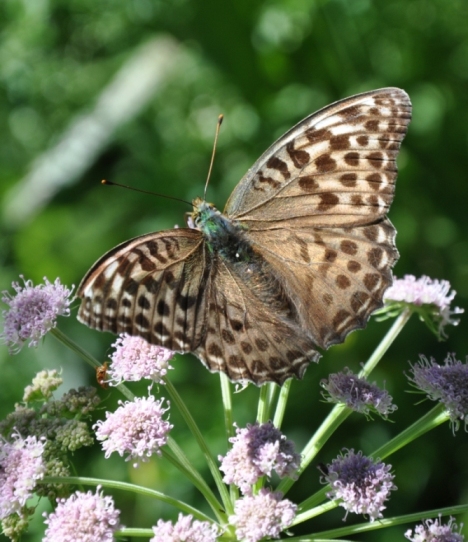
x,y
335,277
249,337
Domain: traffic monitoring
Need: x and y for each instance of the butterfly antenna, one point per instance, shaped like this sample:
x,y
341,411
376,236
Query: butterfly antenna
x,y
110,183
218,127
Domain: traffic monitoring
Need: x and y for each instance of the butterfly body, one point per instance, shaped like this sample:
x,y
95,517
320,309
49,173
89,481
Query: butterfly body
x,y
220,234
300,257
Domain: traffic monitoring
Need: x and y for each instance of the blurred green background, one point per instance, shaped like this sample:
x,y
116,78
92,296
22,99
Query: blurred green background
x,y
130,90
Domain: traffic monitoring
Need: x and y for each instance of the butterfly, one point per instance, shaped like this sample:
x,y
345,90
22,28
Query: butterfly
x,y
300,257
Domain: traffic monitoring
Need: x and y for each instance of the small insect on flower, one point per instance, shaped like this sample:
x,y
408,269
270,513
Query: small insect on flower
x,y
83,517
33,312
101,375
432,530
361,483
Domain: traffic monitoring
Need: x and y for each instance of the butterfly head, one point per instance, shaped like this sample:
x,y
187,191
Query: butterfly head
x,y
205,217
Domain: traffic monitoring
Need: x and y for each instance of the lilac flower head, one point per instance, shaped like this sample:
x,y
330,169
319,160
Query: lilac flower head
x,y
134,359
261,515
256,451
362,483
356,393
447,384
33,312
136,428
83,517
431,298
432,530
21,466
185,530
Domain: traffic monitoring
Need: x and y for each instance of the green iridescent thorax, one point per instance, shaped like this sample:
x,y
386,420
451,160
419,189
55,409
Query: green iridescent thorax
x,y
221,234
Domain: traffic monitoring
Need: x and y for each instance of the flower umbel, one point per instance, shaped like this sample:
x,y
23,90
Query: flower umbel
x,y
261,515
21,466
432,530
43,385
83,517
33,312
430,298
362,483
256,451
185,530
447,384
358,394
135,429
135,359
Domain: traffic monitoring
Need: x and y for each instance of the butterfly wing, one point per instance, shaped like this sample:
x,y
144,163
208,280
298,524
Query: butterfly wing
x,y
314,208
151,286
335,277
251,334
337,167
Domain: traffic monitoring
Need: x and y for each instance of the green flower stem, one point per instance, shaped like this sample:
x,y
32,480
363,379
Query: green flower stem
x,y
134,533
228,422
227,404
314,502
391,335
175,397
86,356
177,457
430,420
81,352
380,524
314,512
264,404
124,486
282,402
336,417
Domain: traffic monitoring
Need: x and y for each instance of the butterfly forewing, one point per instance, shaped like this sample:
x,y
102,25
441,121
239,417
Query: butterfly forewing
x,y
301,257
335,168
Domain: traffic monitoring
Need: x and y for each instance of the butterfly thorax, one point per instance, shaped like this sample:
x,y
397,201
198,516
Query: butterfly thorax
x,y
222,235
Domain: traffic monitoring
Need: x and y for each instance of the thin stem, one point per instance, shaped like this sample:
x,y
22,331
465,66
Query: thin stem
x,y
86,356
430,420
381,524
281,404
384,345
177,457
227,404
263,404
336,417
313,512
203,446
81,352
228,423
132,488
